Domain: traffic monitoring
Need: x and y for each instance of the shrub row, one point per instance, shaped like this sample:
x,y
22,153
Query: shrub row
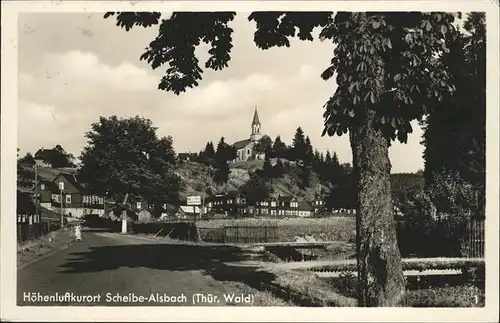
x,y
444,238
411,264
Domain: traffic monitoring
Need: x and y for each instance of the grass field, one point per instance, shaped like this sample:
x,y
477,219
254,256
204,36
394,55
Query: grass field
x,y
289,229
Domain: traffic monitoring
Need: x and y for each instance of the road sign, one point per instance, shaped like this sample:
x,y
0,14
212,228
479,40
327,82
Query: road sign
x,y
194,200
61,186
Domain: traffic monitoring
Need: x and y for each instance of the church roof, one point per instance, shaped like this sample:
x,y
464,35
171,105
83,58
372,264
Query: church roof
x,y
255,117
242,143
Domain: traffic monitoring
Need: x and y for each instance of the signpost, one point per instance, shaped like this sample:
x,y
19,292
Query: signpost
x,y
193,200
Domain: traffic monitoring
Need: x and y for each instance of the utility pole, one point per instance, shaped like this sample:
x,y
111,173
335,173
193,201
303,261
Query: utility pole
x,y
36,189
61,189
204,194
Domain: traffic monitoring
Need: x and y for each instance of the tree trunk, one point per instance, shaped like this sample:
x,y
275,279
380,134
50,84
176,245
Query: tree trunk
x,y
381,281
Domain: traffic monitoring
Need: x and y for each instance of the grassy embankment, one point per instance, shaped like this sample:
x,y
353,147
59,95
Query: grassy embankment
x,y
31,251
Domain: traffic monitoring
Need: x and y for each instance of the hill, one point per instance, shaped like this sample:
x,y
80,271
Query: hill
x,y
195,178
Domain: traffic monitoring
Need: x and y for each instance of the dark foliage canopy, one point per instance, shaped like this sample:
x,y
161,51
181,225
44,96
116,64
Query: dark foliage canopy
x,y
383,61
126,156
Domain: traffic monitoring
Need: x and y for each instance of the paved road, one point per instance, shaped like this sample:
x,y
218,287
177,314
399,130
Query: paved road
x,y
105,264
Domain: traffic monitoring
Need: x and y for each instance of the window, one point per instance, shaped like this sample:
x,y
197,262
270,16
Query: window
x,y
68,199
42,187
273,203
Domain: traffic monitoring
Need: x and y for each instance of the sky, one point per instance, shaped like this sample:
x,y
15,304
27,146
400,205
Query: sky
x,y
75,67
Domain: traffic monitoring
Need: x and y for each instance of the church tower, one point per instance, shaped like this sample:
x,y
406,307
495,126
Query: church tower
x,y
255,127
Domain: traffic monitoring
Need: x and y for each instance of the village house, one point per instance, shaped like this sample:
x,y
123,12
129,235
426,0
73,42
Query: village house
x,y
305,209
45,191
245,149
231,203
288,206
263,207
281,206
76,201
318,204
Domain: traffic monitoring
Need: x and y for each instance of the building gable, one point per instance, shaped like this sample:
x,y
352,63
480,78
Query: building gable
x,y
70,183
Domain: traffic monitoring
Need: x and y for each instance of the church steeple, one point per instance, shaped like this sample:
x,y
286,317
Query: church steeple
x,y
255,126
256,118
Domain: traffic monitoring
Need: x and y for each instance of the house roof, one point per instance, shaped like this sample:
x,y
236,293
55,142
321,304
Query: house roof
x,y
241,144
225,195
305,206
72,179
285,198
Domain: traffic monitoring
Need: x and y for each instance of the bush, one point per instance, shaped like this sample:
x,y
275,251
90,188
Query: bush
x,y
346,284
436,220
458,296
432,291
452,195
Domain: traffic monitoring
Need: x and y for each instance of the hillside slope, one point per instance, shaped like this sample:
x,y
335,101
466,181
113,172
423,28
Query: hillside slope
x,y
195,178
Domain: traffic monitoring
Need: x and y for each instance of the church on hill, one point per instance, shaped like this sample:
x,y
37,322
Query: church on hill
x,y
245,148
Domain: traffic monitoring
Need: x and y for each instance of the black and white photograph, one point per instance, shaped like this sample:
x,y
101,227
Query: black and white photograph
x,y
285,157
